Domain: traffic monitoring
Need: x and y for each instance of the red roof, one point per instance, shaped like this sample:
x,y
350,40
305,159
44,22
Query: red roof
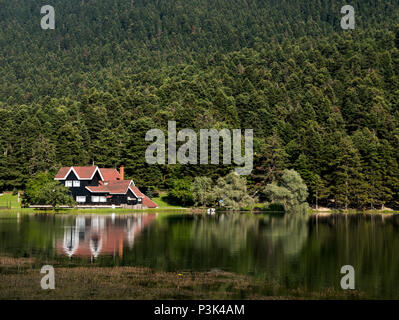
x,y
137,192
148,202
110,174
145,200
113,187
121,187
62,173
85,172
81,172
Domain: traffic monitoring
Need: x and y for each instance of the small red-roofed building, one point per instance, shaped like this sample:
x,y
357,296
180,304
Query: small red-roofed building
x,y
92,186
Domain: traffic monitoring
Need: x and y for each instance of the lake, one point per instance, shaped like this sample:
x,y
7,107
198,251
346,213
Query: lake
x,y
291,250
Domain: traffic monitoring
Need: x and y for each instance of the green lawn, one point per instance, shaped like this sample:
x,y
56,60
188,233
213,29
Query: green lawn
x,y
162,203
6,197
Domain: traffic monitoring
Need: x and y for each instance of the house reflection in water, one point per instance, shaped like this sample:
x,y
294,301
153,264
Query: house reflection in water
x,y
92,236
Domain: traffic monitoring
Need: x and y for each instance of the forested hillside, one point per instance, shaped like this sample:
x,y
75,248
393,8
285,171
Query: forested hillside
x,y
320,99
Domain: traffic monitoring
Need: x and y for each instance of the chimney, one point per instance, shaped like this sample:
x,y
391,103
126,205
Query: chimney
x,y
122,172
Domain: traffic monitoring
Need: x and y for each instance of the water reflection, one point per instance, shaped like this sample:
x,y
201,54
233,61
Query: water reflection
x,y
91,236
234,233
294,250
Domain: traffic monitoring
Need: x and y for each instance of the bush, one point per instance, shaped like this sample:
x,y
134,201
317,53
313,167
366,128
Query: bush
x,y
291,192
232,190
180,193
43,190
202,191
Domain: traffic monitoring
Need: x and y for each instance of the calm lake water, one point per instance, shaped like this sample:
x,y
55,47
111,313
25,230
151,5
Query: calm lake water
x,y
293,250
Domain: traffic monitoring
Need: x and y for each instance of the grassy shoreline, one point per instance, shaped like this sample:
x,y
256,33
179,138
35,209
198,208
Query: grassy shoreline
x,y
20,279
353,211
16,206
166,208
186,211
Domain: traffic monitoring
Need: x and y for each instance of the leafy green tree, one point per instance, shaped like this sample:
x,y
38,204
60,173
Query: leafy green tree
x,y
232,191
180,192
43,190
290,192
202,191
56,195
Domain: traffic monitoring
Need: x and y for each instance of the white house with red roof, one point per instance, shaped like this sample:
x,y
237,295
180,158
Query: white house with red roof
x,y
93,186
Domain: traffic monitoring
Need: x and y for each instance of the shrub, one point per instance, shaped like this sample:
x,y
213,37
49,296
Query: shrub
x,y
290,192
202,191
180,193
43,190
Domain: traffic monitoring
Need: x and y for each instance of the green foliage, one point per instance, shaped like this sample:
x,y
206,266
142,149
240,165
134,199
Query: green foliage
x,y
316,185
350,183
202,191
43,190
290,192
271,161
8,198
163,202
320,100
180,192
275,207
151,192
232,190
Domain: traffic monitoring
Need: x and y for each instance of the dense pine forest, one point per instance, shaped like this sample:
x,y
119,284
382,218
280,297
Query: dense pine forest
x,y
321,100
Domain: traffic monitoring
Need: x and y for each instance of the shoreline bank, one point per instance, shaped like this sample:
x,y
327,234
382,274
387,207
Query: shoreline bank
x,y
21,278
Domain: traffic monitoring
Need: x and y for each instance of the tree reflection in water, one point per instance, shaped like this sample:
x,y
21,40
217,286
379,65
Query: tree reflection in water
x,y
293,250
234,232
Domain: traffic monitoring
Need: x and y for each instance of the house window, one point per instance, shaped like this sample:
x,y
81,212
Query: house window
x,y
76,183
103,199
95,199
81,199
68,184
